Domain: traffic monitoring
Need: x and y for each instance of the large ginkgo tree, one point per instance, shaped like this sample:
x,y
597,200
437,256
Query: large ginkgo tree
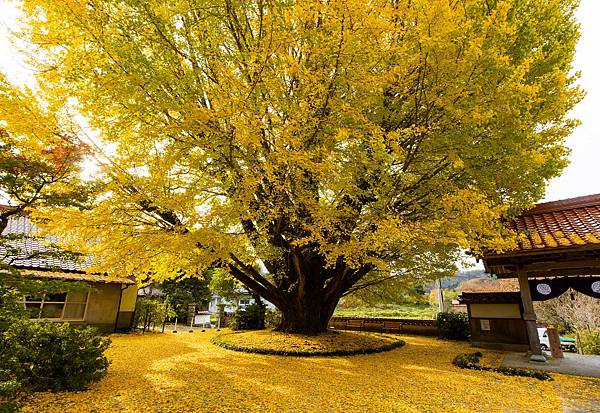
x,y
308,148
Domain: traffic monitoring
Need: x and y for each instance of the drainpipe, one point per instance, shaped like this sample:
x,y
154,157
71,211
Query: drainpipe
x,y
119,308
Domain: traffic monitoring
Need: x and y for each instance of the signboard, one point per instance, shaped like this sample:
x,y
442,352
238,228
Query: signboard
x,y
485,324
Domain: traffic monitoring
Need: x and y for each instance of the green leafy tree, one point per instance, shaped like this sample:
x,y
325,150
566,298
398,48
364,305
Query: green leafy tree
x,y
151,312
225,285
180,294
340,144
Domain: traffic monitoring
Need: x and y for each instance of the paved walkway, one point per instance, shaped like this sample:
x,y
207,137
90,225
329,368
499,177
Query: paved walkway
x,y
573,364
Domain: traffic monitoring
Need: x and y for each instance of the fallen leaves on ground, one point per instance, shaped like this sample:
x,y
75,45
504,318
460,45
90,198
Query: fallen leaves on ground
x,y
578,394
186,373
328,342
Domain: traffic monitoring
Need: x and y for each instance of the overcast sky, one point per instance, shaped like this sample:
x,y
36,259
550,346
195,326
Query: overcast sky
x,y
581,177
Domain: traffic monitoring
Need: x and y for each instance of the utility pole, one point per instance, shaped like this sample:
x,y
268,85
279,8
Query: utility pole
x,y
440,296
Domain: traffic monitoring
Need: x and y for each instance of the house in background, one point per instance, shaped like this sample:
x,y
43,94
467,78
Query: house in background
x,y
230,307
109,304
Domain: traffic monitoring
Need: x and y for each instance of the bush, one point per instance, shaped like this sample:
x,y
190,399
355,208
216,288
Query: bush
x,y
9,392
272,318
252,317
589,341
40,356
453,326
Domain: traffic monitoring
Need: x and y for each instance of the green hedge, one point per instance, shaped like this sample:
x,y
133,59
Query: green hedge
x,y
471,362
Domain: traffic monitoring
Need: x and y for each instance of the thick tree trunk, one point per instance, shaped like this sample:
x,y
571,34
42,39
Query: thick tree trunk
x,y
306,295
308,316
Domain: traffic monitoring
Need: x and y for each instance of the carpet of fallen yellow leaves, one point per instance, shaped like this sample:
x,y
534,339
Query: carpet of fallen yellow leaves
x,y
349,341
184,372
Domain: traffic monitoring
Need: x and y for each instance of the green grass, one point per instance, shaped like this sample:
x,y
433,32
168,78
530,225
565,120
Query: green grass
x,y
410,311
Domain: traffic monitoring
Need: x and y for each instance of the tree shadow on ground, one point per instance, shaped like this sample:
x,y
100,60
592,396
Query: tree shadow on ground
x,y
185,372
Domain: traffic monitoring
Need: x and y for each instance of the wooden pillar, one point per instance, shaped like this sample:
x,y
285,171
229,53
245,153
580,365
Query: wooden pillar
x,y
530,318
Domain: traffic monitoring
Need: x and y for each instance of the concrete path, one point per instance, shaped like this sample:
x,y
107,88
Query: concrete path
x,y
574,364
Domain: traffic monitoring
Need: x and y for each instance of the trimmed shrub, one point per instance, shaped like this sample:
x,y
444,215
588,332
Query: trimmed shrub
x,y
252,317
471,362
453,326
40,356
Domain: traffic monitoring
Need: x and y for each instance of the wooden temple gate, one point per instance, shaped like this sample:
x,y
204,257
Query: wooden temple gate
x,y
558,249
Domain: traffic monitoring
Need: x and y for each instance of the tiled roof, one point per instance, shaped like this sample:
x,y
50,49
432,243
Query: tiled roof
x,y
46,267
68,276
561,224
30,246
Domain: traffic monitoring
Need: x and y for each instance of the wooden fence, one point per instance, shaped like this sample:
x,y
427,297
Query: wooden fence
x,y
387,325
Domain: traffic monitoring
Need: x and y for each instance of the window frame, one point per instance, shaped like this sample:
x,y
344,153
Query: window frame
x,y
62,312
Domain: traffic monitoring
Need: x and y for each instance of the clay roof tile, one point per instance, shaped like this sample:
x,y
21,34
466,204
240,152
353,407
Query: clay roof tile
x,y
560,224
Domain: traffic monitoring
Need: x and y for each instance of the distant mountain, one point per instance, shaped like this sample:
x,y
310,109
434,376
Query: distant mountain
x,y
490,285
459,278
